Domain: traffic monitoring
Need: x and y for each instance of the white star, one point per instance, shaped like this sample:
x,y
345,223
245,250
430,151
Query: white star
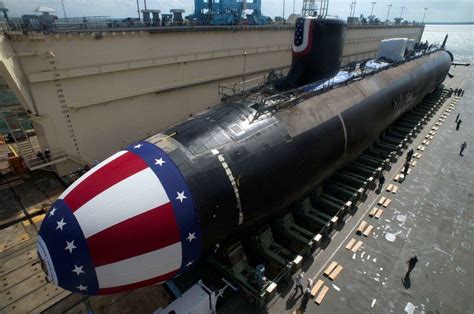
x,y
51,212
191,236
70,246
160,162
138,146
78,270
181,196
189,263
82,288
61,224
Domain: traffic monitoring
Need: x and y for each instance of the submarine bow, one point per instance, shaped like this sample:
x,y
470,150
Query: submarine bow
x,y
129,222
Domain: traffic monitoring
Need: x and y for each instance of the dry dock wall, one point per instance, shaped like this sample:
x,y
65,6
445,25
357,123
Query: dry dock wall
x,y
96,92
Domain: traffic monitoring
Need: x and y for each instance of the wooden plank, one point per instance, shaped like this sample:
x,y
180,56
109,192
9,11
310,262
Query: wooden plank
x,y
335,272
350,244
373,211
362,226
21,289
15,241
321,295
36,299
357,246
316,287
368,230
330,268
19,217
378,213
387,202
382,200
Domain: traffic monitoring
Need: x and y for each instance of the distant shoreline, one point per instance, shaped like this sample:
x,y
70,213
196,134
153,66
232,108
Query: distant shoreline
x,y
448,23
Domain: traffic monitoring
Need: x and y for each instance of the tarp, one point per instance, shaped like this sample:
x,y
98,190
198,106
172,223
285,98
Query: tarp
x,y
392,49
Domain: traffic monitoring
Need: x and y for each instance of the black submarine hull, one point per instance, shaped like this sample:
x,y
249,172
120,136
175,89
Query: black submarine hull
x,y
147,213
242,173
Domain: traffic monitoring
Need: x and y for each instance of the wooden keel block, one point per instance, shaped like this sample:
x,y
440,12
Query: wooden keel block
x,y
357,246
362,226
382,200
368,230
350,244
378,213
413,163
387,202
373,212
397,177
335,272
321,295
330,268
395,188
389,187
316,287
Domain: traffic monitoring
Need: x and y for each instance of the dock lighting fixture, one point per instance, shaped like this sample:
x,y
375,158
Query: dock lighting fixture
x,y
424,15
353,8
401,13
283,14
388,12
373,4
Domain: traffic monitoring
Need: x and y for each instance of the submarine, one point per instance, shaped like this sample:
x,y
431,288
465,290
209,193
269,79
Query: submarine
x,y
149,212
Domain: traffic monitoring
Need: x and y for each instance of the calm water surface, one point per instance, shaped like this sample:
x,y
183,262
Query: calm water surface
x,y
460,41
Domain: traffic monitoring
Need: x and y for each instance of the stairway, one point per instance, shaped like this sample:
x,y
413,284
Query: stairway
x,y
21,139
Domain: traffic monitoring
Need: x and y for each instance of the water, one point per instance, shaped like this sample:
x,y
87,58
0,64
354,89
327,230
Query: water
x,y
460,41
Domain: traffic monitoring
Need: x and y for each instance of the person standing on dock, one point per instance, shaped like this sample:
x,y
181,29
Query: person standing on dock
x,y
405,168
309,286
381,181
299,283
463,147
411,265
457,117
458,124
410,155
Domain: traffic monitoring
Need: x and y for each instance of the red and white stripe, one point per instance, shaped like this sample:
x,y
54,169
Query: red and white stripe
x,y
128,222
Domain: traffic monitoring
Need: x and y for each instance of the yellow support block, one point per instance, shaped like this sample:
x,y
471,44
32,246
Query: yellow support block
x,y
35,220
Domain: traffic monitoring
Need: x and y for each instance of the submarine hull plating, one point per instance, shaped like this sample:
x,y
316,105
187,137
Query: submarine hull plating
x,y
242,173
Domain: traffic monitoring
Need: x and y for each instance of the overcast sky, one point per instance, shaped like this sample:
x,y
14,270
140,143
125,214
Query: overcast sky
x,y
439,11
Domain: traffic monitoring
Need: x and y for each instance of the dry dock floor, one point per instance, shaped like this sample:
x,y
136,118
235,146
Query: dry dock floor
x,y
431,215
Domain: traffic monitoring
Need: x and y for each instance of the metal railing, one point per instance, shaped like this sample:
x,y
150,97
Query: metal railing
x,y
280,101
46,160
